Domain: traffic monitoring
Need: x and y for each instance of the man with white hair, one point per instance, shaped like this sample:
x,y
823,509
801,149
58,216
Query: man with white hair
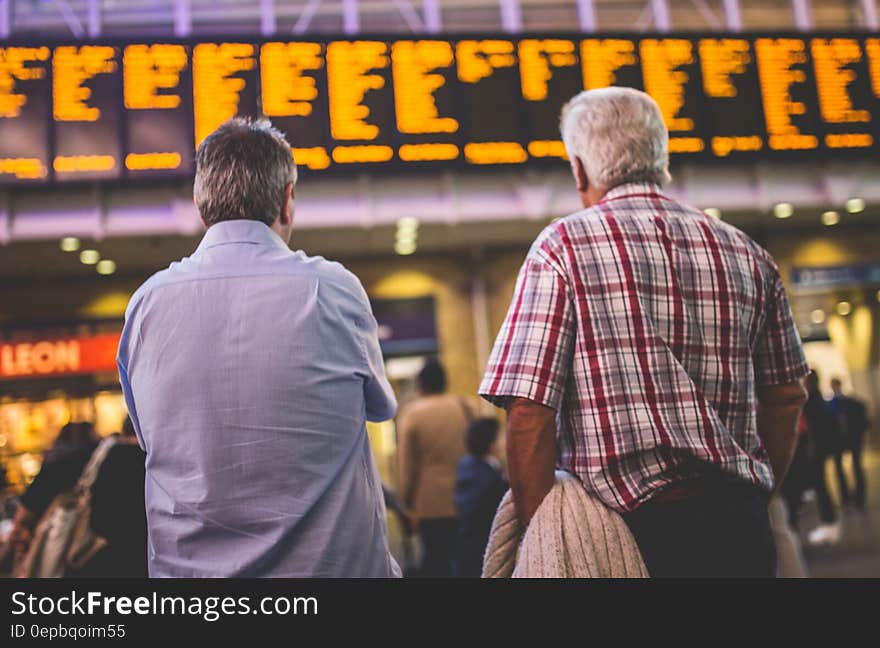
x,y
650,350
249,372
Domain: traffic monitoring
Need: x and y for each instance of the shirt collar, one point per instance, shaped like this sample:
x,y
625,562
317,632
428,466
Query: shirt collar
x,y
240,231
633,190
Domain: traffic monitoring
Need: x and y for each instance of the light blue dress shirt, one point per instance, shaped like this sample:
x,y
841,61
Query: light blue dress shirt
x,y
249,371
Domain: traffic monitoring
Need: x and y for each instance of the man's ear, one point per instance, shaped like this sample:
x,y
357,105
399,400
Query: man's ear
x,y
201,220
580,174
286,215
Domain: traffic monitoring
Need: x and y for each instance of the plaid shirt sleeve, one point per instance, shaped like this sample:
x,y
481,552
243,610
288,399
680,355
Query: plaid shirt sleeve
x,y
533,351
779,355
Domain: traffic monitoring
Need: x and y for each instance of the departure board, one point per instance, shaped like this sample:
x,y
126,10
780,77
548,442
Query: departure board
x,y
488,77
549,74
86,107
426,118
730,81
360,99
291,75
225,77
158,109
25,108
121,111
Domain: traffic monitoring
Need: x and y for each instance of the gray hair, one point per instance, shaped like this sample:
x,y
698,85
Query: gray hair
x,y
619,135
242,169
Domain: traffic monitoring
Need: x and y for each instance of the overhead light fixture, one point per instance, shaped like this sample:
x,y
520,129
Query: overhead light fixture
x,y
89,257
70,244
405,242
830,218
714,212
843,308
817,316
783,210
106,267
405,248
408,223
855,205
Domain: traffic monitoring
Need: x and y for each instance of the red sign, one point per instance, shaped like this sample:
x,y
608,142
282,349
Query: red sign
x,y
71,356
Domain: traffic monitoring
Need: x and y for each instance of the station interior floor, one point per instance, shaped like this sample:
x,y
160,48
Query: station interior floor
x,y
857,555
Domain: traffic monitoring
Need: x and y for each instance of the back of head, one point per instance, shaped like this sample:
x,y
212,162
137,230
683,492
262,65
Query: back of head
x,y
242,170
618,134
481,434
73,435
432,378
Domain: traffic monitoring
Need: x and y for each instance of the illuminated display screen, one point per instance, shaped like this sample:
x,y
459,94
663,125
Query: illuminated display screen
x,y
25,113
86,107
109,111
158,109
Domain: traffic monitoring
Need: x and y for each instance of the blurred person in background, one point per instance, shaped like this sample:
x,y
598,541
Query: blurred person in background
x,y
62,466
431,440
824,435
650,350
479,487
852,419
799,478
117,514
249,372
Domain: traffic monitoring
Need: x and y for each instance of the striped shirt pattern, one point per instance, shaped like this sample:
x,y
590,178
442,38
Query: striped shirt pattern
x,y
648,326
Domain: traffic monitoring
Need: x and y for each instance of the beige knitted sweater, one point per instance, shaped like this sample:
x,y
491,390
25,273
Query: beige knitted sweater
x,y
571,535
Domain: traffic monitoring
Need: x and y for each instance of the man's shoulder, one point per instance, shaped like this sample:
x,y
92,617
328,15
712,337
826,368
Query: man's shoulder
x,y
297,263
324,269
156,280
331,275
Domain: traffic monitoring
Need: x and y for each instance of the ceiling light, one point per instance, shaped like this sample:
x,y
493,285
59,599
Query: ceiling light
x,y
783,210
843,308
714,212
70,244
405,248
830,218
817,316
408,223
106,267
89,257
855,205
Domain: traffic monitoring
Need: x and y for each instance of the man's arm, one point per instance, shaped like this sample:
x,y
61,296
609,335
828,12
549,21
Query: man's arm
x,y
407,461
779,408
531,454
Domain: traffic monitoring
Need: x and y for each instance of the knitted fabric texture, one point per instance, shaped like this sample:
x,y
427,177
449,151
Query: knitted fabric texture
x,y
571,535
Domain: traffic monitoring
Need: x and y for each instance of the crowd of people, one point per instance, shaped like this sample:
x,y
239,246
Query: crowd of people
x,y
649,355
115,505
828,429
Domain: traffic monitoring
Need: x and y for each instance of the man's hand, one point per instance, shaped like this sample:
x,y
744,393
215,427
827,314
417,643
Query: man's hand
x,y
778,412
531,454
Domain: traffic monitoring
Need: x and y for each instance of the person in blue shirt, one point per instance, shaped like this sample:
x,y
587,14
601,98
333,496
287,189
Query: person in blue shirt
x,y
852,419
249,371
479,487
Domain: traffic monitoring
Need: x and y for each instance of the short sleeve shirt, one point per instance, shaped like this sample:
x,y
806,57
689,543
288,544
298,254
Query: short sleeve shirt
x,y
648,326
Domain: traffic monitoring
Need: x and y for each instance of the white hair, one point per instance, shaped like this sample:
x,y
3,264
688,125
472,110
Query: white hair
x,y
618,134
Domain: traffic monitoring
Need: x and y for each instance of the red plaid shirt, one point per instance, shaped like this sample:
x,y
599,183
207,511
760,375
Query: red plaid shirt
x,y
648,325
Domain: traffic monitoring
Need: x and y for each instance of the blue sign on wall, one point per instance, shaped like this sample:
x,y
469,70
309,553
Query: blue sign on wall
x,y
835,276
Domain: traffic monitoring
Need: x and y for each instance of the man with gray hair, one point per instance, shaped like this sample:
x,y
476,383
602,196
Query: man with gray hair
x,y
249,372
650,350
